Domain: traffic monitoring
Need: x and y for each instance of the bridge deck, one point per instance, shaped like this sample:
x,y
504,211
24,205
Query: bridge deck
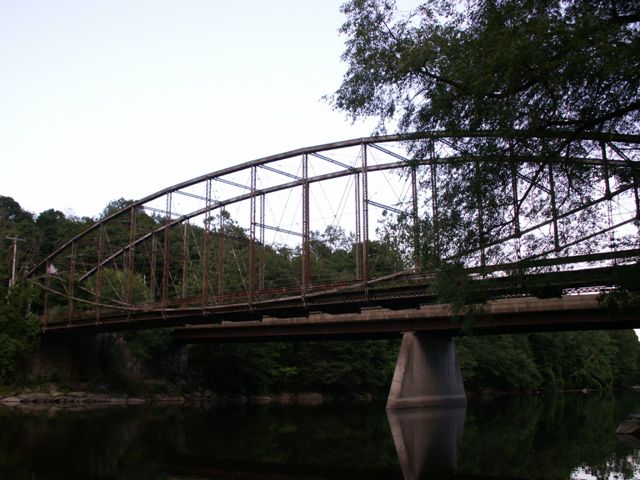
x,y
524,314
404,304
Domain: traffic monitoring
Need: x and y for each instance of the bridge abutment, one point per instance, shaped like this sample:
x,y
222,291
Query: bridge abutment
x,y
427,373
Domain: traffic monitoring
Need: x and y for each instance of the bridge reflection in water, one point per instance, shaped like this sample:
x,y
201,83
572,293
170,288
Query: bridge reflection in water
x,y
507,437
428,440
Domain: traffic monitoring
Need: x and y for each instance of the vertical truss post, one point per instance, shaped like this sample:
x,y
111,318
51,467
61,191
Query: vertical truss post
x,y
305,225
185,259
220,257
165,253
416,225
605,166
262,244
72,281
480,207
130,257
99,271
433,167
554,209
205,242
636,196
46,293
634,175
607,194
516,207
365,216
252,237
154,260
358,239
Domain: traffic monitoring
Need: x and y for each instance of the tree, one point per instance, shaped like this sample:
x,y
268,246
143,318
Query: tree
x,y
500,362
54,227
544,75
16,222
19,329
505,64
114,206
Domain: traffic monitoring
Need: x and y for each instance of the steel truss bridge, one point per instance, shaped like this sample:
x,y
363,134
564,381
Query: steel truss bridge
x,y
354,237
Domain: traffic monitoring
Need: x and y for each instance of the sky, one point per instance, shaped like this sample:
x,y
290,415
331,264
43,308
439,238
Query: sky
x,y
107,99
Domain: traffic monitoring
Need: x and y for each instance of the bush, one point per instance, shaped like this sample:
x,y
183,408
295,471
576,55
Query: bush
x,y
20,330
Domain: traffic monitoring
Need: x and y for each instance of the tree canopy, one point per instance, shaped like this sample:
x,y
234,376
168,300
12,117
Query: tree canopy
x,y
496,65
544,75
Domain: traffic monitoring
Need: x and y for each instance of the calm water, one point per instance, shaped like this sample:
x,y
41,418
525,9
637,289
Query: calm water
x,y
570,436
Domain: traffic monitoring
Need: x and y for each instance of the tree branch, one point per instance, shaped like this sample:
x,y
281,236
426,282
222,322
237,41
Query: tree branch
x,y
441,79
584,124
626,19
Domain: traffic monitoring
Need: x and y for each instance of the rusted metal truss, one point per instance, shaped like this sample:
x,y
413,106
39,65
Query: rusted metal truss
x,y
268,229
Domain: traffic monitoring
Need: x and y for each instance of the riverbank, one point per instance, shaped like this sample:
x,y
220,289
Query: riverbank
x,y
164,393
54,395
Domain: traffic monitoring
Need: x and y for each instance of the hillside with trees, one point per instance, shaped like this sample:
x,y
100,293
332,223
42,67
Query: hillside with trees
x,y
572,360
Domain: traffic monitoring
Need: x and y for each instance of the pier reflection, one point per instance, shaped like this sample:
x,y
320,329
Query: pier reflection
x,y
427,440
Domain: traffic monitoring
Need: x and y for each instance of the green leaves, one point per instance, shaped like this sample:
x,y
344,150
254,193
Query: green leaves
x,y
550,361
501,66
492,65
19,329
334,367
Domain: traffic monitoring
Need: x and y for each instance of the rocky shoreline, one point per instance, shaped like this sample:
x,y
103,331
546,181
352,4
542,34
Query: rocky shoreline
x,y
80,398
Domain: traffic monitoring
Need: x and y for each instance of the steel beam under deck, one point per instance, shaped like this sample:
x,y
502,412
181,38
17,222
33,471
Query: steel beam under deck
x,y
513,315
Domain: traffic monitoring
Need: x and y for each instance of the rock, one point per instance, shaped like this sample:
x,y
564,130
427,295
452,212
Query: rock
x,y
76,394
630,426
135,401
285,399
261,399
208,394
165,398
34,398
75,400
10,400
69,398
54,390
364,397
98,398
310,399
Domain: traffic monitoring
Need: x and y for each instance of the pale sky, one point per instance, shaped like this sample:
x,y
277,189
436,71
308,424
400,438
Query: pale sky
x,y
107,99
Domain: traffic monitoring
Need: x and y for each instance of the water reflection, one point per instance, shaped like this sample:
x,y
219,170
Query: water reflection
x,y
549,437
531,438
427,440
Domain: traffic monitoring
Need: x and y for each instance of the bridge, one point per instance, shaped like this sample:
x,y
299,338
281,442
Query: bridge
x,y
368,238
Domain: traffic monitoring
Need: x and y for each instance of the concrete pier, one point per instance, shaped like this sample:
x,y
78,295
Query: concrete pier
x,y
427,373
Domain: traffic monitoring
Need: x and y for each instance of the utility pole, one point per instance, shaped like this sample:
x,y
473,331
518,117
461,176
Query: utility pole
x,y
14,249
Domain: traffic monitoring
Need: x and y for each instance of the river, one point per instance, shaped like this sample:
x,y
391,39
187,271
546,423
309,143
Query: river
x,y
539,437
